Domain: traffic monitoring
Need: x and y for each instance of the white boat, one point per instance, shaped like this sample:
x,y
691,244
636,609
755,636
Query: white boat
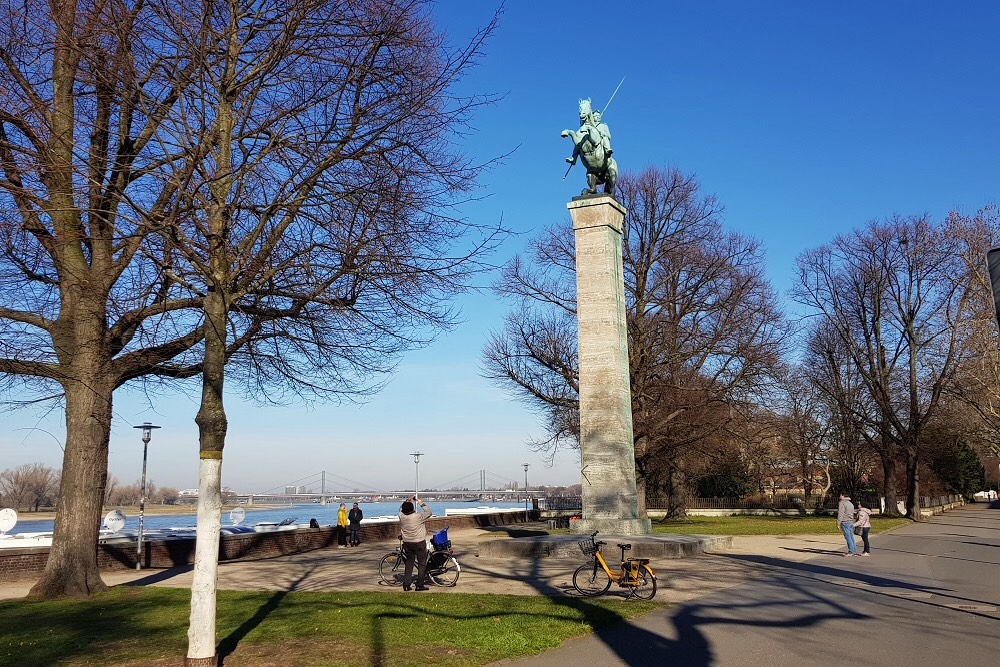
x,y
25,540
380,519
272,526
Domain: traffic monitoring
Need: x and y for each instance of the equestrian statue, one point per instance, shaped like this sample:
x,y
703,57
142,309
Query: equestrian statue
x,y
592,143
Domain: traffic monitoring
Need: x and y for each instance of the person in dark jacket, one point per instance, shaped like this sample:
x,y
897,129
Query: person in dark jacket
x,y
354,517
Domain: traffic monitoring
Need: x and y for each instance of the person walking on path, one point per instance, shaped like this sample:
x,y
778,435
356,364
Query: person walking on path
x,y
845,519
413,529
864,522
342,522
354,517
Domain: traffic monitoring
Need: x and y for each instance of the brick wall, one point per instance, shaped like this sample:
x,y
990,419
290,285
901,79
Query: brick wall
x,y
28,562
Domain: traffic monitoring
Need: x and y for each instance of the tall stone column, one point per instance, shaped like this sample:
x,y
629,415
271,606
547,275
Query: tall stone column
x,y
610,503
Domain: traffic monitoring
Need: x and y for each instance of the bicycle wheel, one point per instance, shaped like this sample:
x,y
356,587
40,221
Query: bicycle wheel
x,y
443,569
390,568
589,582
646,588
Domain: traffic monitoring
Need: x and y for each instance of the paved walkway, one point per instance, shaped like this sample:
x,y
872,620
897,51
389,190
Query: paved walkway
x,y
356,568
928,596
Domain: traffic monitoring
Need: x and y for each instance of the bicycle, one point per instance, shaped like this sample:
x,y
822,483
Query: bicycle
x,y
595,578
442,566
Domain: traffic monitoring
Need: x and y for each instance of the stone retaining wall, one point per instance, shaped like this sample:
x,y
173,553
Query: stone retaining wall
x,y
25,562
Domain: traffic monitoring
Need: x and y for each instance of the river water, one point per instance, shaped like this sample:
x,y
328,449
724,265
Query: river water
x,y
301,514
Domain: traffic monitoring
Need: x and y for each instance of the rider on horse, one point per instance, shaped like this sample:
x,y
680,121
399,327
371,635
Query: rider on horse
x,y
592,143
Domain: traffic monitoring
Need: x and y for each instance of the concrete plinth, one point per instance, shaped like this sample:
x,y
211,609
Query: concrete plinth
x,y
610,503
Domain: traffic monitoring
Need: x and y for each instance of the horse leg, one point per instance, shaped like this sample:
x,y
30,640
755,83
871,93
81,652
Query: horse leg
x,y
611,178
592,182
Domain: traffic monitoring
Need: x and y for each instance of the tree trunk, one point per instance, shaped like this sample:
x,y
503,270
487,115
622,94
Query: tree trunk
x,y
72,565
71,569
211,419
678,492
913,486
889,472
640,494
640,478
212,427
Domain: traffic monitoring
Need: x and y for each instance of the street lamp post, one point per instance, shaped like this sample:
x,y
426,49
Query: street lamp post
x,y
147,435
525,489
416,472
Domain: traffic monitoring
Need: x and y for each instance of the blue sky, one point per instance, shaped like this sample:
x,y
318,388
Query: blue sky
x,y
804,119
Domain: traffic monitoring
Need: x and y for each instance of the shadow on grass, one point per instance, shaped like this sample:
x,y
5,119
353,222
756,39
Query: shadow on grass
x,y
232,640
633,644
229,643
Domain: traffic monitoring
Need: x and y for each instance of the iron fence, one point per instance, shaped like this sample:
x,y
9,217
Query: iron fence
x,y
560,503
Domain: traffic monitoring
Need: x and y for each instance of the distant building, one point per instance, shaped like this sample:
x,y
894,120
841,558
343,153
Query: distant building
x,y
188,492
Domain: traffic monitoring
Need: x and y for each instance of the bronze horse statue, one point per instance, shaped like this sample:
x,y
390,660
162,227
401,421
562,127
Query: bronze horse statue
x,y
592,143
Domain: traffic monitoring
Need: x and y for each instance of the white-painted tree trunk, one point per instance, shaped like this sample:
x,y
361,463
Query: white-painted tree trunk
x,y
201,630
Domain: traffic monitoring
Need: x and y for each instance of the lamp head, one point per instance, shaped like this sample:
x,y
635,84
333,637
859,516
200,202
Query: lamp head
x,y
147,431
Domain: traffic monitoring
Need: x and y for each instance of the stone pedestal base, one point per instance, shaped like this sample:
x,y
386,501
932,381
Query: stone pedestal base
x,y
611,526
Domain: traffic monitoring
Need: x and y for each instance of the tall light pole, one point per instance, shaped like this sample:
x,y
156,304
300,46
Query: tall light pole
x,y
526,489
416,472
147,435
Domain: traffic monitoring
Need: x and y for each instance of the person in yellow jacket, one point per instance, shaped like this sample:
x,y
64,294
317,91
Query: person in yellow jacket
x,y
342,526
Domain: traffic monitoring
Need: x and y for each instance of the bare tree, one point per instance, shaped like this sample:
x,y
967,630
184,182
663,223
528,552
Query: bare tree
x,y
704,329
977,381
84,90
167,495
126,495
279,174
897,296
852,418
315,216
110,489
804,430
29,486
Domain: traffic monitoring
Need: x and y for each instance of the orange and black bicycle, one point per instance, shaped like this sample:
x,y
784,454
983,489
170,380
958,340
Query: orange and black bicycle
x,y
595,578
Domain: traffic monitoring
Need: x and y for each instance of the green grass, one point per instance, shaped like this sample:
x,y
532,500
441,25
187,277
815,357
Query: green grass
x,y
766,525
148,626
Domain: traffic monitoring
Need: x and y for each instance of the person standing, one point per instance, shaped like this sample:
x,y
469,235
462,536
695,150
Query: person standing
x,y
342,522
845,519
354,517
864,522
413,529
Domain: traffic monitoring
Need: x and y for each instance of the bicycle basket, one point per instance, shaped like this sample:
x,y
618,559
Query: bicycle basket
x,y
588,547
440,540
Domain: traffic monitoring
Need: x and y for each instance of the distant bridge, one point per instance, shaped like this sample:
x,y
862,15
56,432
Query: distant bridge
x,y
304,490
506,496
